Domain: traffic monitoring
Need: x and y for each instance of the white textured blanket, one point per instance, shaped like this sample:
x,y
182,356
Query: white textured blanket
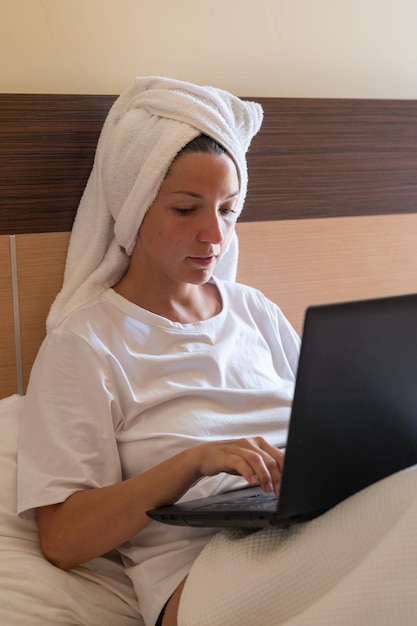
x,y
356,565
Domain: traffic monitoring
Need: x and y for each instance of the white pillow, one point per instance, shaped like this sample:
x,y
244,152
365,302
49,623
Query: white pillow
x,y
32,590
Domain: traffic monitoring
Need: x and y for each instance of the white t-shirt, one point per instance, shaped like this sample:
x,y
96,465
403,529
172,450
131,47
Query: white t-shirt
x,y
116,389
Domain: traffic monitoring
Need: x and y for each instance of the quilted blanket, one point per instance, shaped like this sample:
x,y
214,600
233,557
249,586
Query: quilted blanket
x,y
355,565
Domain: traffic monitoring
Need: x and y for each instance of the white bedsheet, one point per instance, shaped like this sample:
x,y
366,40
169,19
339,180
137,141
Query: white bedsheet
x,y
32,591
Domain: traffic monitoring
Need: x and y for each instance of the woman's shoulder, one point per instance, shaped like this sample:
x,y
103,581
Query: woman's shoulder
x,y
91,316
247,300
245,293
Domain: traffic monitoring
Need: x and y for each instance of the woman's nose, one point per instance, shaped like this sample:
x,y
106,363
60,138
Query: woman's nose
x,y
212,230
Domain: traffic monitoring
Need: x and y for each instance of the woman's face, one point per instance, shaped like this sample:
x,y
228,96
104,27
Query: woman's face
x,y
189,225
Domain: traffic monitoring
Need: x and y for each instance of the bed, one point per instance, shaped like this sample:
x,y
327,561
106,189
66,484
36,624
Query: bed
x,y
331,215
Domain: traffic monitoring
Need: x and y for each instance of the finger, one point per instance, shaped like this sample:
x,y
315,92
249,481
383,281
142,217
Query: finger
x,y
274,461
261,468
275,465
268,473
248,463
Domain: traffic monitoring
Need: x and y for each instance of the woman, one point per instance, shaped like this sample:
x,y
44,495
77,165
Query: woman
x,y
157,380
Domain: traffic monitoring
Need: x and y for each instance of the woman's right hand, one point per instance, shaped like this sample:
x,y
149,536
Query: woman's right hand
x,y
255,459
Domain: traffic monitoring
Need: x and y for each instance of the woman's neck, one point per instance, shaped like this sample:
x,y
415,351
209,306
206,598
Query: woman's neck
x,y
193,303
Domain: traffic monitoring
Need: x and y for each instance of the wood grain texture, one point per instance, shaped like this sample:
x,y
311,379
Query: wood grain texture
x,y
41,261
297,263
8,377
312,158
47,147
332,158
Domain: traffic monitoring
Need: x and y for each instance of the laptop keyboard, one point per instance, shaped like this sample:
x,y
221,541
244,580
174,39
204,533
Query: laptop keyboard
x,y
258,501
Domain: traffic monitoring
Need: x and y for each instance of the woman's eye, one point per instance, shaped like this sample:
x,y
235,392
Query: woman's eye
x,y
227,211
183,211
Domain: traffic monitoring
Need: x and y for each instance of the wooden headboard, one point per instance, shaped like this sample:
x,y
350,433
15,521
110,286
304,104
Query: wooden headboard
x,y
331,212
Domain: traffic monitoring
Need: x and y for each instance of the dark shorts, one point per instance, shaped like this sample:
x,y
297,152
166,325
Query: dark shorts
x,y
161,615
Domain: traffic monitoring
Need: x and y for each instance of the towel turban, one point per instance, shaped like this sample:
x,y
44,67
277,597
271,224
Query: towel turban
x,y
145,129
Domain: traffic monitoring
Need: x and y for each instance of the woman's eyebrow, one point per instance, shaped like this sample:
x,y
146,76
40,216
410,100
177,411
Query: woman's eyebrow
x,y
200,196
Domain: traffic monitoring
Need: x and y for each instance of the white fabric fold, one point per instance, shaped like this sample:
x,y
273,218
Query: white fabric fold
x,y
145,129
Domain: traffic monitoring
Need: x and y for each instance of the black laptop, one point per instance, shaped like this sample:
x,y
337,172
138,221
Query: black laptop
x,y
353,421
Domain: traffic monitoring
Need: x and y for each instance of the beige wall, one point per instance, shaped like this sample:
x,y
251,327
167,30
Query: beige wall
x,y
318,48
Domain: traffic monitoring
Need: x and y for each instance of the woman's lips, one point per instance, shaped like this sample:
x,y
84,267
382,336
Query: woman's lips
x,y
204,261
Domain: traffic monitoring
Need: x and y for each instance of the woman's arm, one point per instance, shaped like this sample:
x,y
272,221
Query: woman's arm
x,y
92,522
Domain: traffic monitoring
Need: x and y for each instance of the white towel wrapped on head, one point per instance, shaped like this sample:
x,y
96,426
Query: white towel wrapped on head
x,y
145,129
